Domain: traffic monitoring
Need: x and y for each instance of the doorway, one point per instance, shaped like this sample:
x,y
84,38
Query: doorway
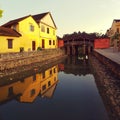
x,y
33,45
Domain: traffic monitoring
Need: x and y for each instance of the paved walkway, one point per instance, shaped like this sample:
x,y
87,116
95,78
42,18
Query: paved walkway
x,y
109,53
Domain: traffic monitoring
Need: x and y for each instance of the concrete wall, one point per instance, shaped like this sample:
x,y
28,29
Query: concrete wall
x,y
13,60
112,66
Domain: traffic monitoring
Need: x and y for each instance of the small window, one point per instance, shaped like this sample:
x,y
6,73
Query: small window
x,y
10,43
48,30
50,72
42,28
49,42
117,30
49,84
53,42
32,92
43,74
10,91
54,70
34,77
31,28
43,87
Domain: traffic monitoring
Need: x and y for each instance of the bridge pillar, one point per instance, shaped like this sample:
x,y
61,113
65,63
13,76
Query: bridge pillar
x,y
84,49
89,49
68,50
73,50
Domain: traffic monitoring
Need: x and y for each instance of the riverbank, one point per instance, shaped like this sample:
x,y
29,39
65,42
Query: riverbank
x,y
28,61
109,87
14,60
110,59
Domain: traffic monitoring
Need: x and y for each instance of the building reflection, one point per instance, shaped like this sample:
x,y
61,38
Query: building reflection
x,y
27,89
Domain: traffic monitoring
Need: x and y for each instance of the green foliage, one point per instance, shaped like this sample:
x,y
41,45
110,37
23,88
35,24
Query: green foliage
x,y
39,49
21,49
1,12
116,36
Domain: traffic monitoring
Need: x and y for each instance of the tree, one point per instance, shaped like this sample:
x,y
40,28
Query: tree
x,y
1,12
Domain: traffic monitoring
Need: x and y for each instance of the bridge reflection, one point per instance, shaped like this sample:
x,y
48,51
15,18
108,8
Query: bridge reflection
x,y
76,66
26,90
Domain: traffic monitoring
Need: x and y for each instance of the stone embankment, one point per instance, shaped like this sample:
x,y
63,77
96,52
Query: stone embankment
x,y
113,66
15,60
108,86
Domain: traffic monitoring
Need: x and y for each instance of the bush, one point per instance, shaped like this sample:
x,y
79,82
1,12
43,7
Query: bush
x,y
39,49
21,49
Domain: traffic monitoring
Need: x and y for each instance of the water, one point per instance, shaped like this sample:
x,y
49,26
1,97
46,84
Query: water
x,y
65,91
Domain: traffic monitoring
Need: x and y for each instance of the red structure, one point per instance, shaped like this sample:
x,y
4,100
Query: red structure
x,y
101,43
60,43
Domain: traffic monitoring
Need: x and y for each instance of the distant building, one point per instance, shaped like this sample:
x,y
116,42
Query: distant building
x,y
115,28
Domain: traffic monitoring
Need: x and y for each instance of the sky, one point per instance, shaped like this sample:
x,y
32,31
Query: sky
x,y
69,15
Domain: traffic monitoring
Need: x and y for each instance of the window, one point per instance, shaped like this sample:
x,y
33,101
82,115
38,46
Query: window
x,y
34,77
48,30
31,28
49,42
42,28
53,42
32,92
10,43
43,87
49,83
117,30
50,72
43,74
10,91
54,70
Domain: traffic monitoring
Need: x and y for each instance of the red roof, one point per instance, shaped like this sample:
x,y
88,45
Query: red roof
x,y
9,32
38,17
117,20
13,22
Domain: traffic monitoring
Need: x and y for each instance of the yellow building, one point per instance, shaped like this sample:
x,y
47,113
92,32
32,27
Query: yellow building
x,y
115,27
36,31
28,89
47,29
9,40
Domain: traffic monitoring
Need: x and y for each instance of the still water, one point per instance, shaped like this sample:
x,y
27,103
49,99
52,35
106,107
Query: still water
x,y
63,91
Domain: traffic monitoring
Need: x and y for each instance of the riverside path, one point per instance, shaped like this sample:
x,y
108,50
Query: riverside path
x,y
109,53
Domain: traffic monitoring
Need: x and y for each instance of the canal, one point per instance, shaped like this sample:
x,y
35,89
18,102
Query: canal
x,y
63,91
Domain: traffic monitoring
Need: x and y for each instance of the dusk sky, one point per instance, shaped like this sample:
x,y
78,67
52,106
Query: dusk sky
x,y
69,15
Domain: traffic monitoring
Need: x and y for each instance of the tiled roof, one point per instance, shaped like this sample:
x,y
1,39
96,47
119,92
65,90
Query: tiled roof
x,y
9,32
12,22
38,17
117,20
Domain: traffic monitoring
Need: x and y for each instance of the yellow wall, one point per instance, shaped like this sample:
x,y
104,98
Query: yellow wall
x,y
4,44
24,88
27,35
48,22
25,41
